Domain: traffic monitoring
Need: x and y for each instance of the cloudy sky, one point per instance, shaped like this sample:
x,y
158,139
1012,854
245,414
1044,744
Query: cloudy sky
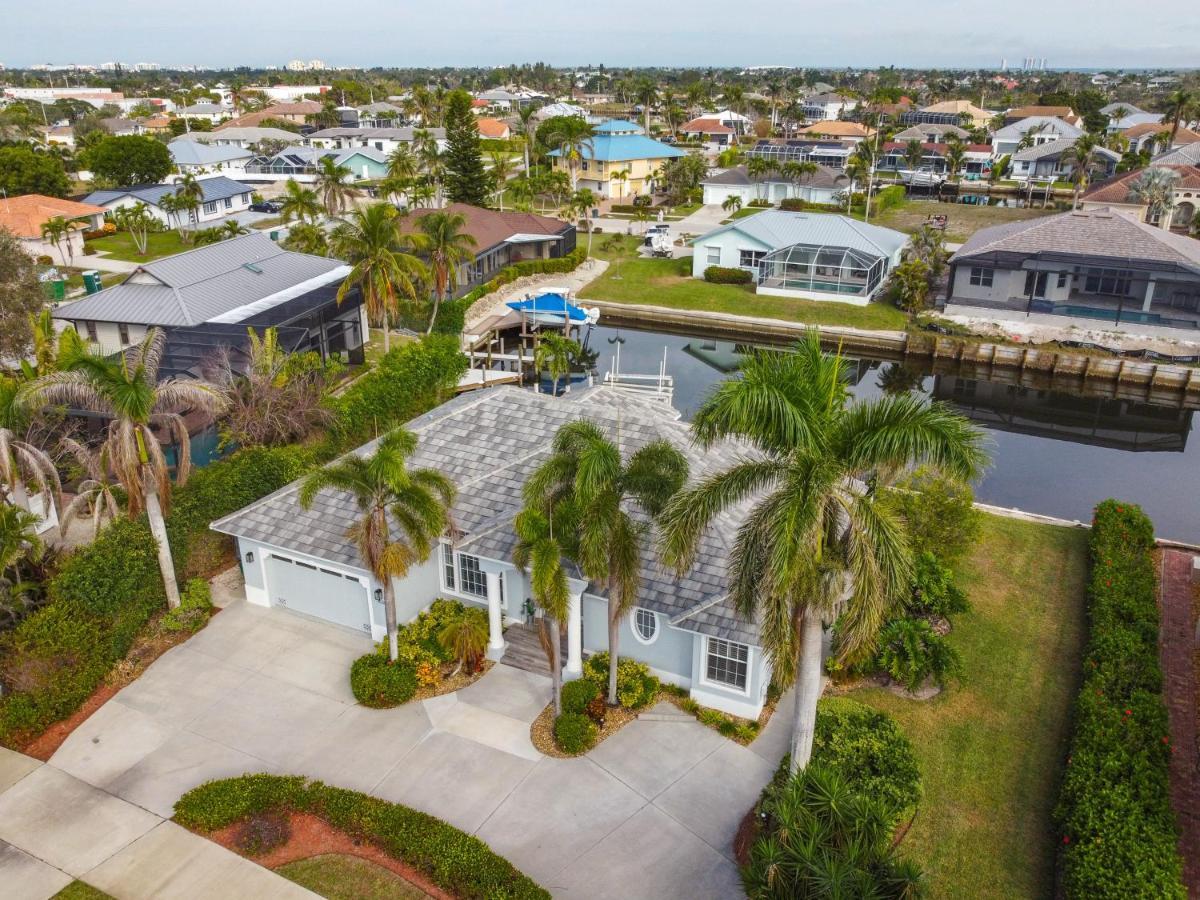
x,y
1069,33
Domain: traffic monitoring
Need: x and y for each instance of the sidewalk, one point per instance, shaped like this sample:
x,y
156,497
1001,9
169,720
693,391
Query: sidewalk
x,y
55,828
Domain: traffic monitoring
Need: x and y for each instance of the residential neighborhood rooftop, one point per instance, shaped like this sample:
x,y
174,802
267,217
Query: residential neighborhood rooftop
x,y
216,188
25,215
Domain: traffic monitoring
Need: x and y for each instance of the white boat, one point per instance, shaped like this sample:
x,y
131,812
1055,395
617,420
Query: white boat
x,y
922,177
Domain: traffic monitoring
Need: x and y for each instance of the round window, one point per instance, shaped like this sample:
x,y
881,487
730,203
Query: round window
x,y
645,625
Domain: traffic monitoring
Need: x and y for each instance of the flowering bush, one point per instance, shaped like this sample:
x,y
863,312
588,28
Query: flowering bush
x,y
1118,832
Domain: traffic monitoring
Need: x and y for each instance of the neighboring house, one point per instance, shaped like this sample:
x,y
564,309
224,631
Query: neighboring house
x,y
842,131
1017,113
222,197
501,239
931,133
297,113
195,158
493,129
63,135
1053,161
730,119
619,148
380,115
976,157
948,112
1040,130
551,110
506,99
814,256
25,215
206,298
119,127
823,186
488,443
1147,137
300,164
245,137
708,131
1089,263
209,112
1137,118
385,140
1187,155
832,154
826,106
156,124
1115,194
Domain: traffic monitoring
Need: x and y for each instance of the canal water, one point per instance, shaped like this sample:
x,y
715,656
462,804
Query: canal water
x,y
1052,453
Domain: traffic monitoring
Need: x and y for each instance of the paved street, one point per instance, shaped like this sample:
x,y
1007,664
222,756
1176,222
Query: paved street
x,y
649,813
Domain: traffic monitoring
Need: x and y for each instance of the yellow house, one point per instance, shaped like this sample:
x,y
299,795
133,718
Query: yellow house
x,y
620,162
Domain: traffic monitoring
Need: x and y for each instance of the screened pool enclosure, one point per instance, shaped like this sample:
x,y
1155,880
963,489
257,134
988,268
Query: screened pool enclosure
x,y
822,269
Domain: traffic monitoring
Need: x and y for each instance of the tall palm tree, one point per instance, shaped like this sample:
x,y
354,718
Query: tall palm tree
x,y
615,502
404,511
581,204
817,535
96,495
189,195
331,184
540,553
914,154
306,237
573,138
795,171
432,163
1118,113
22,463
1155,188
1083,158
1180,105
554,354
955,156
501,167
382,266
527,128
443,242
54,231
126,390
299,203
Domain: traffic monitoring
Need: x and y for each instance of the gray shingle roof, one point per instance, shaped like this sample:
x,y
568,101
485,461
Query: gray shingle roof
x,y
824,177
777,229
404,133
1187,155
202,284
1052,149
216,188
489,443
1039,125
918,132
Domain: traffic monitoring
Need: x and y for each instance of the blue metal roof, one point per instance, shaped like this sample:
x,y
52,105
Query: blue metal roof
x,y
621,147
217,188
619,126
550,304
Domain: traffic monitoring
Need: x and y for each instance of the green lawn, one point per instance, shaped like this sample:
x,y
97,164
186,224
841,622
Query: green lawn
x,y
341,877
962,219
991,749
669,282
79,890
743,212
121,246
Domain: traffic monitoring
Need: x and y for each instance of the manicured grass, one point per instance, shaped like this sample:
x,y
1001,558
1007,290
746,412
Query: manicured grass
x,y
264,224
669,282
79,890
991,750
962,219
340,877
743,212
121,246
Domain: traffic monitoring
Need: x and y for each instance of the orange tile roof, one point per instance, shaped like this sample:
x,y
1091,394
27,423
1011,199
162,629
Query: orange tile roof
x,y
492,128
1116,189
25,215
836,128
704,125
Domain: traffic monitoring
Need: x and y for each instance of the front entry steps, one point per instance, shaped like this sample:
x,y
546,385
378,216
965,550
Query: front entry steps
x,y
523,649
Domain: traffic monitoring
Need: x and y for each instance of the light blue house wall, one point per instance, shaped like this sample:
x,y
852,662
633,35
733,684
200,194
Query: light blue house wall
x,y
671,655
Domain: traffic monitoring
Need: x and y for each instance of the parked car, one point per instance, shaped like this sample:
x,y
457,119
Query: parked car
x,y
267,206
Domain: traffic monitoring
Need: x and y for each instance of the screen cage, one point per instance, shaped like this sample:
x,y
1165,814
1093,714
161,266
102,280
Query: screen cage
x,y
823,269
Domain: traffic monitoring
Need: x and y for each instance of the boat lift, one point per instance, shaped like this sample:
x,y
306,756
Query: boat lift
x,y
651,387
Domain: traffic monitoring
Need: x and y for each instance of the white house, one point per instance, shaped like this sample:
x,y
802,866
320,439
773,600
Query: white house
x,y
823,186
823,107
1054,160
814,256
244,136
683,627
208,112
195,158
1039,129
221,197
300,164
384,140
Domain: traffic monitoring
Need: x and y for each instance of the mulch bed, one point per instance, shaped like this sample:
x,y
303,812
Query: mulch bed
x,y
451,683
541,732
313,836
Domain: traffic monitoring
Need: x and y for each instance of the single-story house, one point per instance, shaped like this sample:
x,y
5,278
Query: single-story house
x,y
826,106
621,160
384,140
838,130
63,135
815,256
822,186
514,98
1090,263
833,154
493,129
246,137
296,113
931,133
380,114
1053,160
1149,136
501,239
195,158
300,164
948,112
24,216
552,110
976,157
119,127
709,131
1115,193
1017,113
1039,130
488,443
159,124
1135,118
209,112
221,197
207,297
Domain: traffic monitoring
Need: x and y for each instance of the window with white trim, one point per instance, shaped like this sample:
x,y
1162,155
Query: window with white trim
x,y
645,625
210,207
981,276
448,567
714,255
727,663
471,579
749,259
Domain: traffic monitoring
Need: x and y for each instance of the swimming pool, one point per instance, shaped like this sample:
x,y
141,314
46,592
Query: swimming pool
x,y
1126,315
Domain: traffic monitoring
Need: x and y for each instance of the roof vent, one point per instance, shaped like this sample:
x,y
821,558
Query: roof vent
x,y
253,268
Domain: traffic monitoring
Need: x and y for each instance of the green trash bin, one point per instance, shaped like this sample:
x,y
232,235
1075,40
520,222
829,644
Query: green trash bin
x,y
275,236
91,281
58,289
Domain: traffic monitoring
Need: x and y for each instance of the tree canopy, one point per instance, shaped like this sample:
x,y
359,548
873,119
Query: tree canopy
x,y
24,171
128,160
21,297
467,180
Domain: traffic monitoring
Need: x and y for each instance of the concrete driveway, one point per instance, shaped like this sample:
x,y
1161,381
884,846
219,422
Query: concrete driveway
x,y
649,813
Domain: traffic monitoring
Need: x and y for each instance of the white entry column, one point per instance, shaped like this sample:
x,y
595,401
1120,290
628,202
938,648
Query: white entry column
x,y
492,572
574,667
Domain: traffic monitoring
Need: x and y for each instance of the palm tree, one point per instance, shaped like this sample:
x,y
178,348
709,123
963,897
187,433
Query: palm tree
x,y
732,203
554,354
96,494
307,238
54,230
432,164
621,176
573,138
1029,136
189,195
382,266
21,462
541,554
527,130
914,155
586,469
955,155
1179,106
818,539
647,95
758,167
299,203
1155,188
1118,113
581,204
414,502
331,184
1082,156
402,163
126,390
501,168
447,247
795,171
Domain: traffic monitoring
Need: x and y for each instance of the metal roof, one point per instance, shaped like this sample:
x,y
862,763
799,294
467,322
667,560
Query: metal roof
x,y
193,153
622,147
777,229
406,133
488,443
216,188
824,177
206,284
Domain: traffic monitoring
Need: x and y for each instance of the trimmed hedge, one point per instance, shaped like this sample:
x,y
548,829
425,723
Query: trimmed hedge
x,y
379,683
456,862
727,275
575,733
1118,830
577,694
636,687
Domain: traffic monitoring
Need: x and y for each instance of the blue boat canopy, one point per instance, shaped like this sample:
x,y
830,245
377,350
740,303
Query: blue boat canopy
x,y
555,305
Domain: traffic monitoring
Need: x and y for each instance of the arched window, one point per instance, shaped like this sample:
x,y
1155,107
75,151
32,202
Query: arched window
x,y
645,625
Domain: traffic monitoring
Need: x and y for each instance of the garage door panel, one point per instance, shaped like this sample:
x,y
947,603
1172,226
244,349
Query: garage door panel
x,y
318,592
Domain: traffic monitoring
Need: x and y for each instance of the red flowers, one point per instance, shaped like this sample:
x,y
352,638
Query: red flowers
x,y
1129,712
1066,839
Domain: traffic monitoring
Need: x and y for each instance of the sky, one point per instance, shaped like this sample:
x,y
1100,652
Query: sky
x,y
700,33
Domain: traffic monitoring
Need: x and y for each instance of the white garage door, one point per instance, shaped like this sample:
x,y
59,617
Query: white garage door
x,y
321,593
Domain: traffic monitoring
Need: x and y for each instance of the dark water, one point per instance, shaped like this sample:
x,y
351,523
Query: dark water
x,y
1052,453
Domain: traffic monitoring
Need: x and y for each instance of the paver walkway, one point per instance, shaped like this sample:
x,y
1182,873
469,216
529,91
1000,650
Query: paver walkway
x,y
1177,647
650,813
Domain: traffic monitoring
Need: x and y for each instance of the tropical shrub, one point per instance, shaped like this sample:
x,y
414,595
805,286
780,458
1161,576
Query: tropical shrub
x,y
577,694
574,733
727,275
910,652
465,637
939,514
379,683
635,685
934,592
195,604
460,864
1118,831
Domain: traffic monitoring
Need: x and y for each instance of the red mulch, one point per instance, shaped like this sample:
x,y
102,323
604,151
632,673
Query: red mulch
x,y
747,834
43,746
313,836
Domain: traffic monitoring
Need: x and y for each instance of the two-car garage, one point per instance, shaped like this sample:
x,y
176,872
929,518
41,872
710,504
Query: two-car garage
x,y
318,592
